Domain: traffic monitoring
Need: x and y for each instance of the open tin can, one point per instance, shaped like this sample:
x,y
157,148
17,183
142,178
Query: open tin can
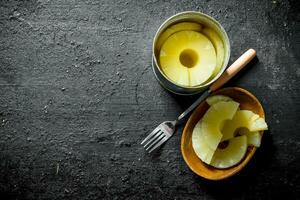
x,y
196,17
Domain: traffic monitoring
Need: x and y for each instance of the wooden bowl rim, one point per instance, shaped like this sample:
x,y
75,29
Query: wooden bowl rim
x,y
250,150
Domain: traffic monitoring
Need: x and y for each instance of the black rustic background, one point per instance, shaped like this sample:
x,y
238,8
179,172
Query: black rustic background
x,y
77,95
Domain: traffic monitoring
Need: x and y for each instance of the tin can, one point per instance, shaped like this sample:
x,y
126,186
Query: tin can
x,y
188,16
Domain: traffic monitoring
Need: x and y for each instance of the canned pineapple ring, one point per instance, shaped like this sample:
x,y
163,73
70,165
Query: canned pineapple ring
x,y
191,21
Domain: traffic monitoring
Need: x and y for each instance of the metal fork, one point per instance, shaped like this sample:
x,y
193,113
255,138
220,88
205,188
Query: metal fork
x,y
166,129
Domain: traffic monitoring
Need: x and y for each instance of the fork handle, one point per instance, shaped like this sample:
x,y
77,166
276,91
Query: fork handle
x,y
230,72
239,64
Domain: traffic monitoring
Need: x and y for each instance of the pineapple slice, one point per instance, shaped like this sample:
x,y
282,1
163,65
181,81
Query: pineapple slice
x,y
219,47
213,121
258,125
242,118
230,155
204,152
253,138
224,114
217,98
189,54
177,73
183,26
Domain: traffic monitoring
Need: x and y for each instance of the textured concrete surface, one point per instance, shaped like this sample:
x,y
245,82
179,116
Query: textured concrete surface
x,y
77,95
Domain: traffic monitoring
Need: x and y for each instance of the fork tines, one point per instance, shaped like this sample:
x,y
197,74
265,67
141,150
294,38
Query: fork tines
x,y
156,138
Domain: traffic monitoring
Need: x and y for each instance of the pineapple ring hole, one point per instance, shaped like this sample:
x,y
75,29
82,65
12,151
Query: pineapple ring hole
x,y
223,145
188,58
237,132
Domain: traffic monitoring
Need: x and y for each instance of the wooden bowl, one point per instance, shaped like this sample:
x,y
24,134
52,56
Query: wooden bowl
x,y
247,101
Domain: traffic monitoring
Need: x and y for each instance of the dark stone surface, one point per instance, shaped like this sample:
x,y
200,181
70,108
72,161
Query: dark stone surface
x,y
77,95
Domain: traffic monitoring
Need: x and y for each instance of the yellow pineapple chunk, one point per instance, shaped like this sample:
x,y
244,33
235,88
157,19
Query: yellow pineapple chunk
x,y
253,138
217,98
202,150
189,54
230,155
258,125
213,121
183,26
242,118
219,47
